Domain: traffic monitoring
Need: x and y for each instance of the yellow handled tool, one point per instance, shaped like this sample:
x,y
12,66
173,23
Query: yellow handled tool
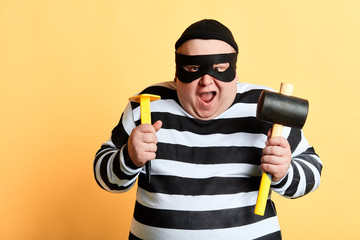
x,y
266,106
145,115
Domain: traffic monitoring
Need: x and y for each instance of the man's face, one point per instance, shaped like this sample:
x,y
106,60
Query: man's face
x,y
206,97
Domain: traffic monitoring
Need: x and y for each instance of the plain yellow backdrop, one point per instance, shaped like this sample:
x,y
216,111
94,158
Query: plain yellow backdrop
x,y
67,69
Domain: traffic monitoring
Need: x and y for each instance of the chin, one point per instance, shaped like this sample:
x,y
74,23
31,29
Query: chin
x,y
206,116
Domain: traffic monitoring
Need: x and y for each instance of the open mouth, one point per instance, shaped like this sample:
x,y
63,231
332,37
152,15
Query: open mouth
x,y
207,97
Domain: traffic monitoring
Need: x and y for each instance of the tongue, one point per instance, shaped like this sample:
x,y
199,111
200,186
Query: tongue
x,y
206,97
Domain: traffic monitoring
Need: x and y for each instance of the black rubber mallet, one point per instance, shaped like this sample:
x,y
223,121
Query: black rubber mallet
x,y
281,109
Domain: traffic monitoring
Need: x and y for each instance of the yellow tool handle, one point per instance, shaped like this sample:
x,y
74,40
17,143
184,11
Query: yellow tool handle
x,y
145,110
263,194
266,180
146,119
145,115
265,183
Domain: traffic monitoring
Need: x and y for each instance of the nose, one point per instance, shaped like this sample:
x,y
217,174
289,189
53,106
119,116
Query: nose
x,y
206,80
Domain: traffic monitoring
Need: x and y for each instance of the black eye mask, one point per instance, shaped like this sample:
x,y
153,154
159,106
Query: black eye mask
x,y
205,63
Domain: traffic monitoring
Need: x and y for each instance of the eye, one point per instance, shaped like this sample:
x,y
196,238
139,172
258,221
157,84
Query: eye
x,y
221,67
191,68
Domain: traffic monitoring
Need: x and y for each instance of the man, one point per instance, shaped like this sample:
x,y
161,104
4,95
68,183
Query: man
x,y
207,150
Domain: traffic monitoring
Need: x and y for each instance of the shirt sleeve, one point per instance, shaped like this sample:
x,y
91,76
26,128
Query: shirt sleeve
x,y
304,172
113,169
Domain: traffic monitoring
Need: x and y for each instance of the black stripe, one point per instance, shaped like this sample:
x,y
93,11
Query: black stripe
x,y
251,96
209,155
199,220
225,126
295,182
294,138
133,237
309,176
280,184
119,136
310,150
207,186
271,236
306,156
104,146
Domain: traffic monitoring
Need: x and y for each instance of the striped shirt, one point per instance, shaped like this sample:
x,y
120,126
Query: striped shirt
x,y
206,174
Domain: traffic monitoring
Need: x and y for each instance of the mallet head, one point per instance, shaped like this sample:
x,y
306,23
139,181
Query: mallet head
x,y
282,109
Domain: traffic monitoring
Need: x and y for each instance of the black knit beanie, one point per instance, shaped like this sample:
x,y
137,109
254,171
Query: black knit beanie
x,y
207,29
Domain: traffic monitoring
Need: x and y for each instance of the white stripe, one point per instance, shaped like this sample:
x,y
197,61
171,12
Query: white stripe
x,y
303,145
190,139
195,203
246,232
302,183
286,132
314,170
239,110
245,87
188,170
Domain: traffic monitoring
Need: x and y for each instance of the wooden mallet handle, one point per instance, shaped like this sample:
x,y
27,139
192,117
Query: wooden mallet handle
x,y
286,89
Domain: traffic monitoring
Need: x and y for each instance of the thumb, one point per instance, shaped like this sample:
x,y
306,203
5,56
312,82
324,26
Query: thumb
x,y
157,125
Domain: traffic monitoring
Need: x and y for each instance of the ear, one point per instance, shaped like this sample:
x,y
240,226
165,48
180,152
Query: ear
x,y
237,78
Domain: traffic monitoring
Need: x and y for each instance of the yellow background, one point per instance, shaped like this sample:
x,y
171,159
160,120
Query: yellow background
x,y
68,67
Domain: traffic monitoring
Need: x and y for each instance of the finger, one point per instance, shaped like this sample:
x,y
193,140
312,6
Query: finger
x,y
157,125
278,141
271,150
149,138
271,159
146,128
146,157
277,171
151,148
276,150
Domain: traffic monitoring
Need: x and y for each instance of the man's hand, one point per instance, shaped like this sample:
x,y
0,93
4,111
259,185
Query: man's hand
x,y
276,157
142,143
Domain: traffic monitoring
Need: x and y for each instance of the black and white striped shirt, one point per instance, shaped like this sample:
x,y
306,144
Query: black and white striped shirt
x,y
206,174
